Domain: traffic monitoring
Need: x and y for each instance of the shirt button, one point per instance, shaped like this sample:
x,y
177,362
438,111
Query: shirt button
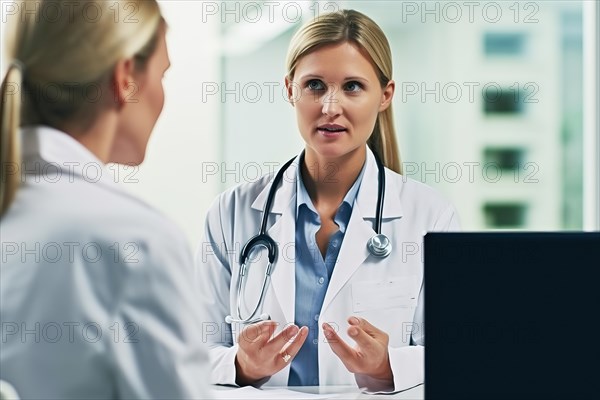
x,y
316,317
321,280
315,341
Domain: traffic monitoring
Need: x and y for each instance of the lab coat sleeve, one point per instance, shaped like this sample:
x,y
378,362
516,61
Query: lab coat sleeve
x,y
155,346
213,277
408,362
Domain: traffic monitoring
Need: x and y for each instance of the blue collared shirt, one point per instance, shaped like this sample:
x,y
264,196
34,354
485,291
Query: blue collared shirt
x,y
313,274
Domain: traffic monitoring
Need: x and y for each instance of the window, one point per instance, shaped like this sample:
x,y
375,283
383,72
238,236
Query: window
x,y
505,215
504,44
488,104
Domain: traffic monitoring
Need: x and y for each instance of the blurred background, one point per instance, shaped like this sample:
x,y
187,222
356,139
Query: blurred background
x,y
495,105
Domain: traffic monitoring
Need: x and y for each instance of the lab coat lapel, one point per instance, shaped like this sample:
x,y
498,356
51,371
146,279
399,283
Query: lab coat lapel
x,y
283,278
360,229
352,254
282,230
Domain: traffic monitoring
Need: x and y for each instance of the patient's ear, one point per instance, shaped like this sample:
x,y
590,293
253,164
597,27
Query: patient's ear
x,y
123,80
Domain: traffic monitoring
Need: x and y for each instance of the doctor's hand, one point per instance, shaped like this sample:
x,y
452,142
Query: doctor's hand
x,y
369,358
259,355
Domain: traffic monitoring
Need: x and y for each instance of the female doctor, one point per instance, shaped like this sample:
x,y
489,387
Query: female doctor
x,y
342,302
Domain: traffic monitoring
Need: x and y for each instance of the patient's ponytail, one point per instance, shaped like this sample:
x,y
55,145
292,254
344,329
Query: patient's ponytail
x,y
10,116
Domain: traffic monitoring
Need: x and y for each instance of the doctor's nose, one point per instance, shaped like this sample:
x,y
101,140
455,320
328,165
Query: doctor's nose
x,y
331,103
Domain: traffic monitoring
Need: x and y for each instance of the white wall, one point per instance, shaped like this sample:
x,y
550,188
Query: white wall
x,y
187,133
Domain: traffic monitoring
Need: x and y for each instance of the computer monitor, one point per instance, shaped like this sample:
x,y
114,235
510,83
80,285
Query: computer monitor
x,y
512,315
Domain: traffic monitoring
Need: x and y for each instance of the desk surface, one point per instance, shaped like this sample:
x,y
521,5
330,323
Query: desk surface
x,y
336,392
352,392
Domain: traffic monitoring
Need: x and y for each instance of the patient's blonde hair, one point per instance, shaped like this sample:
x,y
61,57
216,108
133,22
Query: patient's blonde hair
x,y
61,54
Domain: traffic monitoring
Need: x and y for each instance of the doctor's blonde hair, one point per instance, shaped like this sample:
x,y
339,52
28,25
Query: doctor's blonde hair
x,y
354,27
60,51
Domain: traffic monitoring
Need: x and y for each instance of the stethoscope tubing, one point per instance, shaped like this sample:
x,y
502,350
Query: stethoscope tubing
x,y
264,240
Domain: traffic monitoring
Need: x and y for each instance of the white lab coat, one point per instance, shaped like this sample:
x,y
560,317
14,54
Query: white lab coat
x,y
387,292
96,299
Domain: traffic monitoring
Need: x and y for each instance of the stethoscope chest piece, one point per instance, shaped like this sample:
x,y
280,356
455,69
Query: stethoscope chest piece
x,y
379,245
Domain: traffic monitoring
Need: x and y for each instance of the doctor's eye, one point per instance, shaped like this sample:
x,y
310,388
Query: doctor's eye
x,y
315,84
353,86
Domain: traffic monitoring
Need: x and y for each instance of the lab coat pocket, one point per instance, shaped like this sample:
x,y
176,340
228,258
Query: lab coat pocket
x,y
394,292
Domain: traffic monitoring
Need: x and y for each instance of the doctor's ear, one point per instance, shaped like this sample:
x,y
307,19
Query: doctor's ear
x,y
387,95
289,89
124,85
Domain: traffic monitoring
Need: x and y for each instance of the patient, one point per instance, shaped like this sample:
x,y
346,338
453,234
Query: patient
x,y
96,296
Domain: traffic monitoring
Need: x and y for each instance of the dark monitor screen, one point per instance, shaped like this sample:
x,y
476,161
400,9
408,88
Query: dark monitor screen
x,y
512,315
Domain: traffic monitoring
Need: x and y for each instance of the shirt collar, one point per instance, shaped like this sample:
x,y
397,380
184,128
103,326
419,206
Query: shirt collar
x,y
53,145
302,196
64,152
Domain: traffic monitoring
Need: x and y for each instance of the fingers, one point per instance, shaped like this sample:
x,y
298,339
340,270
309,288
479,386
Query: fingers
x,y
249,361
370,350
341,349
260,355
364,340
365,325
257,334
285,336
289,351
373,337
373,352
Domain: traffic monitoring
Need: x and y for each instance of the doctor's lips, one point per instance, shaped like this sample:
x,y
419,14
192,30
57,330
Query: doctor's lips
x,y
331,130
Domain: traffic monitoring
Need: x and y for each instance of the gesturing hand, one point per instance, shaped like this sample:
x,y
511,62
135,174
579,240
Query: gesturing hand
x,y
260,356
370,355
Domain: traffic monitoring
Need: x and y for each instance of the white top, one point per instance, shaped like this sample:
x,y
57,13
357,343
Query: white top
x,y
387,292
96,295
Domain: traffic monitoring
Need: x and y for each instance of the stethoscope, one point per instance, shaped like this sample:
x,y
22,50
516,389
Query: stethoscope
x,y
379,245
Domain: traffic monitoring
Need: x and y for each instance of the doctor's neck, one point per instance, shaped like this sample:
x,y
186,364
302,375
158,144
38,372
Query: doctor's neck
x,y
329,179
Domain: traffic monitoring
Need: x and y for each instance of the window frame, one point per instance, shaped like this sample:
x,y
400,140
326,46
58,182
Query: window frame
x,y
591,103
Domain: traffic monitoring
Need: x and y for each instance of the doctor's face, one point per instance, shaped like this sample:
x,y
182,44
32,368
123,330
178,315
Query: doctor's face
x,y
337,96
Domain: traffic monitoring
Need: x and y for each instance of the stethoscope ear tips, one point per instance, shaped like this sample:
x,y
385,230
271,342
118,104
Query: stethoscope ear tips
x,y
228,319
379,245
